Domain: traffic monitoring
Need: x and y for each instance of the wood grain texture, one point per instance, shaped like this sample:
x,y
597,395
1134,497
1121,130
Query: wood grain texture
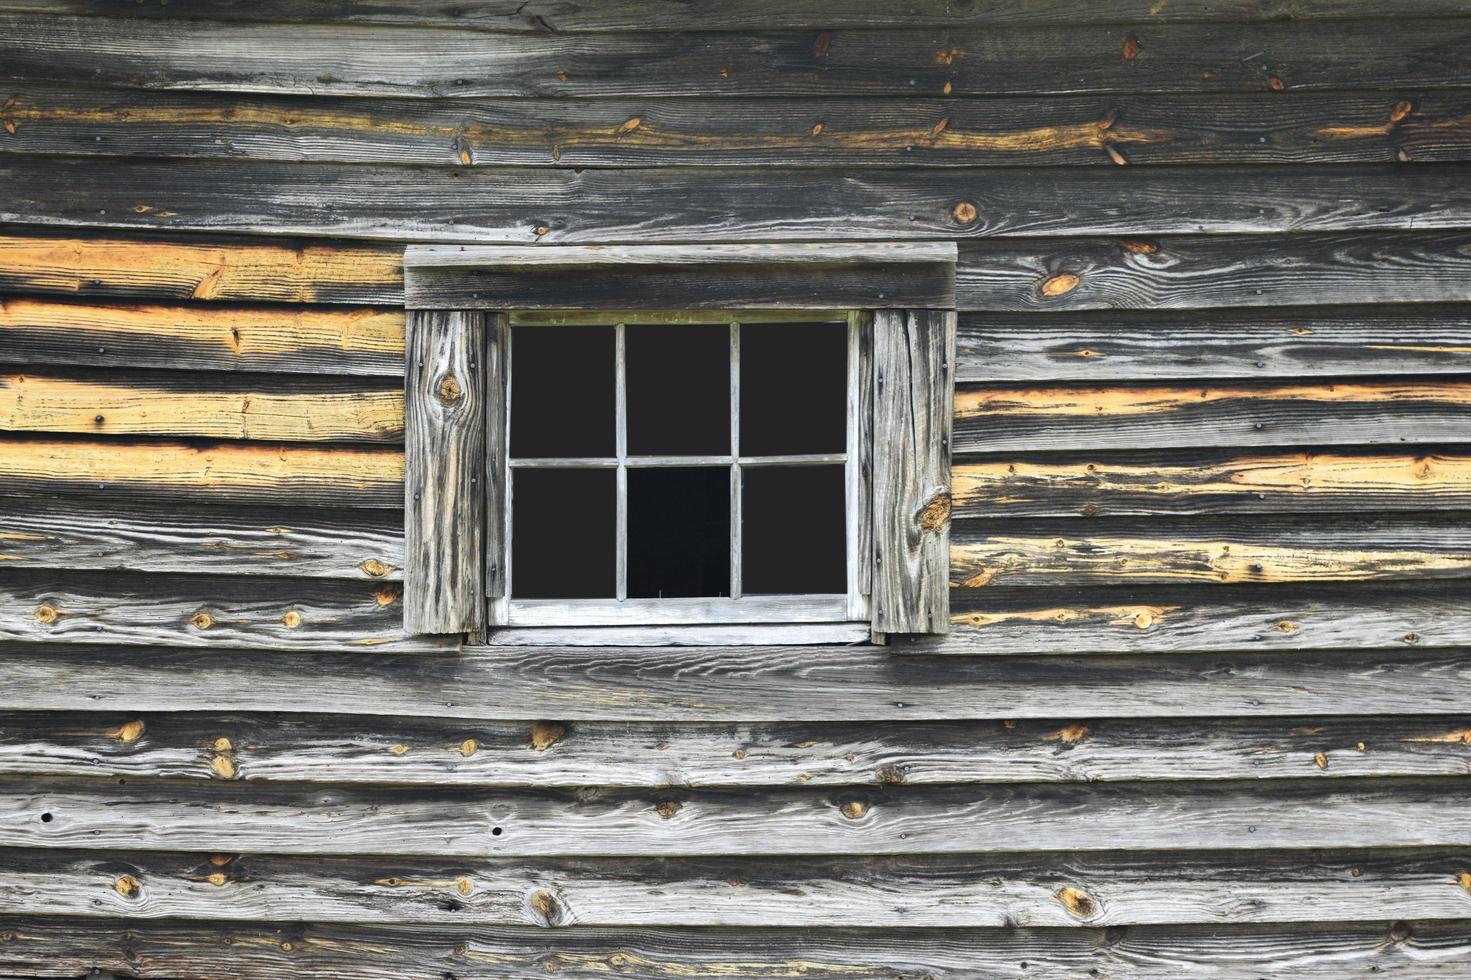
x,y
648,131
676,822
206,612
428,751
521,206
497,493
134,537
210,406
953,891
1192,482
229,472
444,460
913,385
1209,551
162,950
573,16
762,276
738,684
195,269
311,340
1201,272
1227,619
1321,342
366,60
1306,413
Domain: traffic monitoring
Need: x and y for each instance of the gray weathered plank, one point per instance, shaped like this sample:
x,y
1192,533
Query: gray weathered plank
x,y
673,822
207,612
127,536
163,950
350,59
737,684
914,378
1306,413
1029,890
335,749
522,206
444,460
759,276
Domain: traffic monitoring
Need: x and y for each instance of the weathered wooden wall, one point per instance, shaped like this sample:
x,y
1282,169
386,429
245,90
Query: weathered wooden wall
x,y
1203,708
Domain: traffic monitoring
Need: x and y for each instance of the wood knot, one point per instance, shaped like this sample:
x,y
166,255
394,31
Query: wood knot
x,y
629,125
1139,247
127,886
374,567
889,776
1400,931
1285,626
201,620
388,595
822,44
222,766
1060,285
1320,760
468,747
223,744
964,213
1068,735
1130,49
545,904
449,389
399,749
936,513
1078,903
128,732
1276,84
221,860
853,809
1464,880
540,230
668,808
292,619
47,615
545,734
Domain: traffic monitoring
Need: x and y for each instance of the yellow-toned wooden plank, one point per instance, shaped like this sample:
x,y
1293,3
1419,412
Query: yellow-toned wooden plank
x,y
221,407
244,472
361,340
1188,485
203,270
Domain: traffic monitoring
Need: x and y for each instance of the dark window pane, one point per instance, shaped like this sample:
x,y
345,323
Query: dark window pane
x,y
678,386
563,533
562,391
678,532
793,533
794,388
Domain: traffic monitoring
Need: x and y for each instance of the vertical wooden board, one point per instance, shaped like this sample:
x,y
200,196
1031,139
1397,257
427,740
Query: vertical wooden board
x,y
914,357
497,476
445,403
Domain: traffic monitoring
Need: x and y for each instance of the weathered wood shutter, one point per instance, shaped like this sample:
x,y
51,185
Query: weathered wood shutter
x,y
914,380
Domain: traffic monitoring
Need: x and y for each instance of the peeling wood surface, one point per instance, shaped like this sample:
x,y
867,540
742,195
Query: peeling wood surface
x,y
737,684
131,537
349,59
426,751
163,950
687,822
208,406
658,131
1287,413
494,205
1190,482
297,340
1029,890
224,472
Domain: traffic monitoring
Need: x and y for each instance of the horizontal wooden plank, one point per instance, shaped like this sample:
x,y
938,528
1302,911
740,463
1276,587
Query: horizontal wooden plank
x,y
1279,343
657,131
676,822
128,536
561,16
207,611
1226,414
653,755
1184,482
161,950
229,472
325,341
235,270
1131,619
1213,551
211,406
823,276
1045,890
347,59
521,206
1202,272
808,683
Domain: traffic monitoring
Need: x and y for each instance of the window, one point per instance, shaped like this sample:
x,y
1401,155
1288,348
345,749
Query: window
x,y
772,458
690,467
